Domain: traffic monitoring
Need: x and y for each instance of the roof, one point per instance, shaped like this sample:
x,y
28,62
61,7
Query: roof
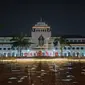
x,y
73,36
76,42
41,25
70,36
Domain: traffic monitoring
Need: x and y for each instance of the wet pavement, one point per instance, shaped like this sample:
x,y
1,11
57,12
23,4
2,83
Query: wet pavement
x,y
42,73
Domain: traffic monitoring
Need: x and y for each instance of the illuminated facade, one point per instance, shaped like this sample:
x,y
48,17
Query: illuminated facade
x,y
43,42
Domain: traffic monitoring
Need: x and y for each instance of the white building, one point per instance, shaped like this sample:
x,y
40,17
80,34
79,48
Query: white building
x,y
43,41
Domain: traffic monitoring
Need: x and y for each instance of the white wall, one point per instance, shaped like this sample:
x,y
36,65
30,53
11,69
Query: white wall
x,y
36,35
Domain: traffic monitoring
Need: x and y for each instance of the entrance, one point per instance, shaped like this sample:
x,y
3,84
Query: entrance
x,y
39,53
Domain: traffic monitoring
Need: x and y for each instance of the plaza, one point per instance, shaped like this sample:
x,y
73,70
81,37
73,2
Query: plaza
x,y
42,72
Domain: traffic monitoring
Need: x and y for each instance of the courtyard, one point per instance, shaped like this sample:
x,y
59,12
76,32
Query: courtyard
x,y
60,71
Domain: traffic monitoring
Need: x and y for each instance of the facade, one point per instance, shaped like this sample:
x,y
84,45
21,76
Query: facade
x,y
43,42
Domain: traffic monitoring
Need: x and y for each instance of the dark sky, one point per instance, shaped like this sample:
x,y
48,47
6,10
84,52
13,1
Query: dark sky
x,y
19,16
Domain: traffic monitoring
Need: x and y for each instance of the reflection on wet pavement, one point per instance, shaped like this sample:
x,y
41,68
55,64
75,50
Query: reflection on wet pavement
x,y
43,73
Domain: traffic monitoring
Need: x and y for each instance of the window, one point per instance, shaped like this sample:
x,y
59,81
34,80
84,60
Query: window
x,y
56,48
17,48
75,40
73,48
0,48
82,54
82,48
9,48
71,40
43,30
64,48
65,54
13,54
25,48
9,54
69,54
83,40
21,54
4,54
48,29
73,53
77,54
77,48
79,40
13,48
69,48
4,48
67,40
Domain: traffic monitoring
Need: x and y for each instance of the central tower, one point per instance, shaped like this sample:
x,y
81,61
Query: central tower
x,y
40,32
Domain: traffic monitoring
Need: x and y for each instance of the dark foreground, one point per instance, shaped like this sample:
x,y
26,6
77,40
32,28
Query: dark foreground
x,y
42,73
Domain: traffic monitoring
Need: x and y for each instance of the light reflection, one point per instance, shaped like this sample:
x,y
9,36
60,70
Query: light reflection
x,y
58,60
52,66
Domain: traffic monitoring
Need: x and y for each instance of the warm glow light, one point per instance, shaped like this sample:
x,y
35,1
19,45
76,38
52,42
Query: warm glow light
x,y
60,60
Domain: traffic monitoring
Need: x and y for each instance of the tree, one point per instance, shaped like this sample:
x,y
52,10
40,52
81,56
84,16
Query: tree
x,y
62,42
20,42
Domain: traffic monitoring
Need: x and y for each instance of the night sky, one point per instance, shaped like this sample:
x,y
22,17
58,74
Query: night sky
x,y
19,16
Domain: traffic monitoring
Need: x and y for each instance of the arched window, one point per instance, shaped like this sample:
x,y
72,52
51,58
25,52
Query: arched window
x,y
73,48
69,54
13,54
4,48
4,54
65,54
43,30
82,48
82,54
9,48
48,29
0,48
77,54
73,53
9,54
